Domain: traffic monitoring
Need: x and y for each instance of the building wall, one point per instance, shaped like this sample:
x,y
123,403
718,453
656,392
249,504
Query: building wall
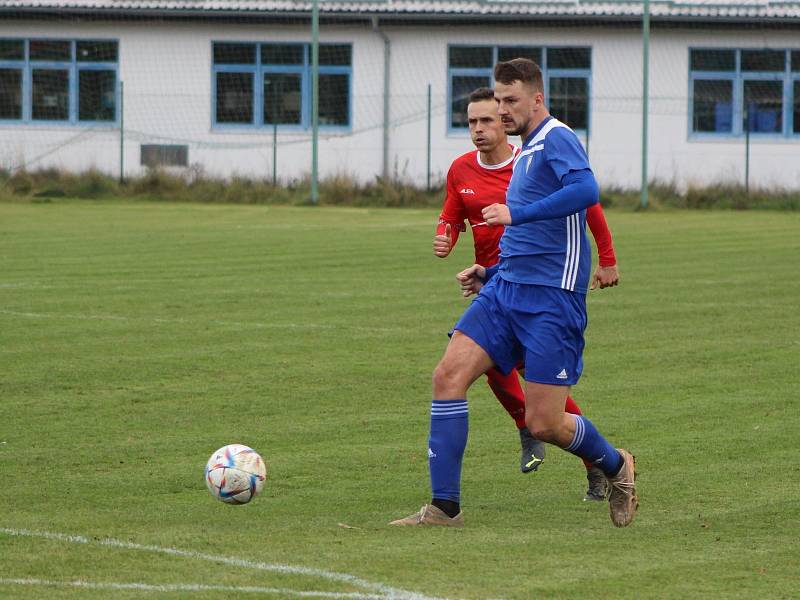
x,y
167,73
420,56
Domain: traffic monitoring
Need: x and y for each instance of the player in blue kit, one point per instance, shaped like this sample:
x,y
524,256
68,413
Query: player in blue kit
x,y
531,306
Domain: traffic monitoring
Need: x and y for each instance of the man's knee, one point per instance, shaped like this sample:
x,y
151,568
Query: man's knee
x,y
446,376
541,428
544,415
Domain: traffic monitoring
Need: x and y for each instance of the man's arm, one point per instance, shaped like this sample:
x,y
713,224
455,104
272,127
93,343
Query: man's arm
x,y
451,221
606,274
471,279
566,158
580,191
596,220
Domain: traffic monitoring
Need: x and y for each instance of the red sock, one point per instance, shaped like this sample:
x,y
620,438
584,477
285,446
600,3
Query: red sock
x,y
572,408
509,393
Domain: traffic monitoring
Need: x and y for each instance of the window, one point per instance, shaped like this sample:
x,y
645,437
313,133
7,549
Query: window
x,y
733,92
12,50
713,105
50,51
796,111
763,106
11,94
763,60
569,100
97,95
50,94
713,60
235,97
460,88
269,84
58,81
283,98
566,73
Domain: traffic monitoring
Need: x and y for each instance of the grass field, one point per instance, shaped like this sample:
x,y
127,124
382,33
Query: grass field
x,y
136,338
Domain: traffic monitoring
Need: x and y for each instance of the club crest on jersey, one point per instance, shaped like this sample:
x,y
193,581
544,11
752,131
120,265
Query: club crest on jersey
x,y
467,191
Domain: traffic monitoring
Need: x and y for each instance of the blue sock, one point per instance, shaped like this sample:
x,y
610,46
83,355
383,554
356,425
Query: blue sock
x,y
448,438
590,445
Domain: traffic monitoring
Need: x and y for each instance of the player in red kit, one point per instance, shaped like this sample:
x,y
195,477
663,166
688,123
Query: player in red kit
x,y
476,180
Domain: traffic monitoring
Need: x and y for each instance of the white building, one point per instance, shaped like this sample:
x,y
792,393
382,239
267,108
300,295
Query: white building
x,y
111,83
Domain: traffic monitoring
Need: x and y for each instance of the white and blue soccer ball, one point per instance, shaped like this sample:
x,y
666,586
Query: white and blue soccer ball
x,y
235,474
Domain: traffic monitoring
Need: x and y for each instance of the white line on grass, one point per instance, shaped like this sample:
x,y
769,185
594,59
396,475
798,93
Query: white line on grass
x,y
386,592
188,587
244,324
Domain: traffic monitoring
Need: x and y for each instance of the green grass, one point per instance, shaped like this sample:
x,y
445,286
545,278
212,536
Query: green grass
x,y
136,338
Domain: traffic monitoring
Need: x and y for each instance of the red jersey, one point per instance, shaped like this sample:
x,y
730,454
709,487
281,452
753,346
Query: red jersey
x,y
472,186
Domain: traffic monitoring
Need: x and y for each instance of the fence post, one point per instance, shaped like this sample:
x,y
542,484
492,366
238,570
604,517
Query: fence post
x,y
428,185
747,150
314,101
121,133
645,97
274,138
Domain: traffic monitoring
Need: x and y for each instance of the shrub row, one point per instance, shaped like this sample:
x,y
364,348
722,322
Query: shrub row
x,y
344,190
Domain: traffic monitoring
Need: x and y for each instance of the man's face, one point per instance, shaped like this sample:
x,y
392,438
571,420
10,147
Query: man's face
x,y
485,127
517,105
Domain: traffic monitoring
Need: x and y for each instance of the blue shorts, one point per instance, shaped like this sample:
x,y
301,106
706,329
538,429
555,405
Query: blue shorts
x,y
540,325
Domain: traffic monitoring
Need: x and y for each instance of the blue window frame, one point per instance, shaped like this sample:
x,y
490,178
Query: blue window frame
x,y
58,81
567,73
733,91
795,67
269,84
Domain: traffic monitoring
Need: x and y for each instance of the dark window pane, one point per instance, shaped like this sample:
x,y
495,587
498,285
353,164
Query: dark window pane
x,y
462,86
763,60
334,100
234,97
50,95
12,50
282,54
713,106
796,111
164,155
506,53
763,106
796,60
234,54
50,50
569,58
10,93
96,51
335,54
283,99
713,60
471,58
97,98
569,101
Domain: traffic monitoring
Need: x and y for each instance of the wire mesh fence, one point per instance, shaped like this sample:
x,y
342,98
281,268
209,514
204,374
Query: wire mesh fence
x,y
226,90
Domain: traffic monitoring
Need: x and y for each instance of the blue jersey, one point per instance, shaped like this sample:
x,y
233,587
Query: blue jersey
x,y
551,252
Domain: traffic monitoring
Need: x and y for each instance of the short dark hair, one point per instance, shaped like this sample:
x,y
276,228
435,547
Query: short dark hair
x,y
519,69
482,93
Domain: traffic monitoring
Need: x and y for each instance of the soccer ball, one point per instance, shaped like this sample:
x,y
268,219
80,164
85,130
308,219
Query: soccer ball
x,y
235,474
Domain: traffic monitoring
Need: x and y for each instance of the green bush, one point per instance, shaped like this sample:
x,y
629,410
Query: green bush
x,y
345,190
20,183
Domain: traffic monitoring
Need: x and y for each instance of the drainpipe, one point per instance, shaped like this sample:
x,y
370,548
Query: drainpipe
x,y
387,54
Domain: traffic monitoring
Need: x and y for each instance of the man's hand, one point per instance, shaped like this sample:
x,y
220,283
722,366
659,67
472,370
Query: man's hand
x,y
496,214
443,244
605,277
471,280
